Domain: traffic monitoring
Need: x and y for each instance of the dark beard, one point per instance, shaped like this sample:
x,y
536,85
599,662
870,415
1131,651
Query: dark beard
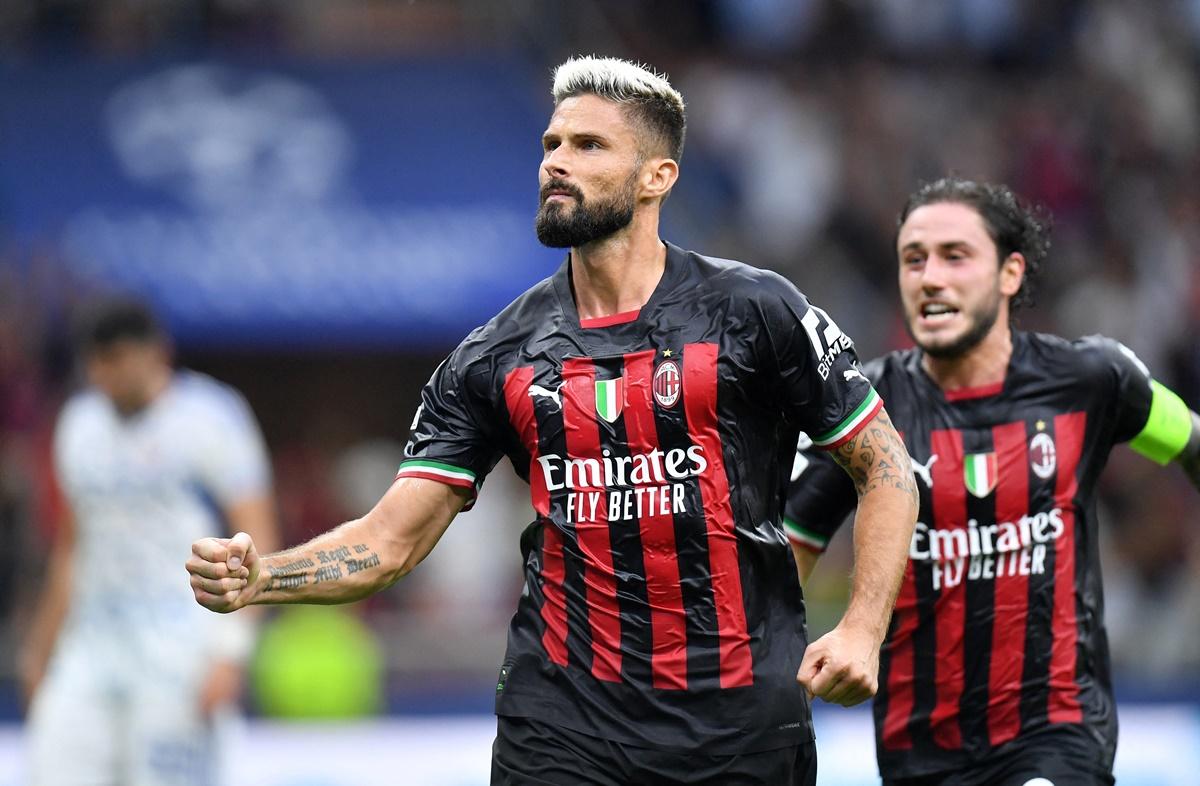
x,y
588,222
985,318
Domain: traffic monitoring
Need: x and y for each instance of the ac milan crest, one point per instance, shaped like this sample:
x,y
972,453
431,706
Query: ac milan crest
x,y
668,383
1042,456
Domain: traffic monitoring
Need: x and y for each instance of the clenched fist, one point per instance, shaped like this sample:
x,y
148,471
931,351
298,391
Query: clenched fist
x,y
841,667
224,572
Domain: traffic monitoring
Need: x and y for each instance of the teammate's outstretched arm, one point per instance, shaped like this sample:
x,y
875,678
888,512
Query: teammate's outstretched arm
x,y
1189,457
842,667
345,564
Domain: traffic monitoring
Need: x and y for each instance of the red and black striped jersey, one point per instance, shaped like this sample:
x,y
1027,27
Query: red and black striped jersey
x,y
998,630
661,605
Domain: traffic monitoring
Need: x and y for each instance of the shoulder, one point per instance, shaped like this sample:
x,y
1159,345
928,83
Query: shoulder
x,y
738,278
1089,358
534,312
893,368
82,408
203,398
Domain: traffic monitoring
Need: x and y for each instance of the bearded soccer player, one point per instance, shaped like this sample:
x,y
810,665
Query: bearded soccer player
x,y
995,670
649,395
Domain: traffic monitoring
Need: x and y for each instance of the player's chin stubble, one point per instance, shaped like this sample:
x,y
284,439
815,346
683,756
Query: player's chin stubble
x,y
590,221
982,320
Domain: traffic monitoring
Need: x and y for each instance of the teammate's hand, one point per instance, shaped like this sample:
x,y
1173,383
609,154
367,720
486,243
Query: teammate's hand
x,y
841,667
224,572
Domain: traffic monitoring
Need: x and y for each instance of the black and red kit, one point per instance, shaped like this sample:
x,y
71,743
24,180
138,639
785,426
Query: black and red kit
x,y
998,631
661,606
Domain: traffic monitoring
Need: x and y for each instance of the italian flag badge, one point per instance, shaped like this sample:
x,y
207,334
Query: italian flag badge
x,y
979,473
610,398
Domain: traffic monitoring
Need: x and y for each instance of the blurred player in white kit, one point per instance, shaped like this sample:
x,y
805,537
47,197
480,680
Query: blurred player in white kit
x,y
126,675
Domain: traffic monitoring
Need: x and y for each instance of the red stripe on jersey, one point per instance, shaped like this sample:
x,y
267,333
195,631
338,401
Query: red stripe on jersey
x,y
700,406
583,442
982,391
416,473
1063,705
900,699
949,513
668,624
554,607
1011,605
612,319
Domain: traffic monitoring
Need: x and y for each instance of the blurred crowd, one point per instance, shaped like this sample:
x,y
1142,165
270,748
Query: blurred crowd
x,y
809,122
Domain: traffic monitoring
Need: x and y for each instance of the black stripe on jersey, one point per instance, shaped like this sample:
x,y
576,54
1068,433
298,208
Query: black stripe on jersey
x,y
1039,637
980,607
552,440
691,548
626,545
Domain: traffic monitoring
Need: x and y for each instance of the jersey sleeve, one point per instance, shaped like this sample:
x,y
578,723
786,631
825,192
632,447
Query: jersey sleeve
x,y
820,497
233,464
1151,417
450,440
821,383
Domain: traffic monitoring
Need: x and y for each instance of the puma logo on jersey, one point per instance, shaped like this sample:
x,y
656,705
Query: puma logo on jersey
x,y
922,470
553,395
851,374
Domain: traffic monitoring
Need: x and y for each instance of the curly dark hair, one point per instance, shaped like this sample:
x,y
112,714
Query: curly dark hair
x,y
1015,225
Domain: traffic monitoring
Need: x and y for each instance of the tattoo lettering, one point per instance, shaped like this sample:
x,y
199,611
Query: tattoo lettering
x,y
360,548
288,581
355,565
340,553
294,565
327,573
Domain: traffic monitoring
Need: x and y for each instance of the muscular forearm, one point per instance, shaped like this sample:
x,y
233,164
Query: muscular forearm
x,y
883,530
878,462
346,564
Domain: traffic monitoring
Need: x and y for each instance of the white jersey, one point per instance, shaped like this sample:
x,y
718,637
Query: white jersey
x,y
142,488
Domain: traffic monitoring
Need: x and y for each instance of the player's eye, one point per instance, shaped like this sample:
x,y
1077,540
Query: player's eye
x,y
591,144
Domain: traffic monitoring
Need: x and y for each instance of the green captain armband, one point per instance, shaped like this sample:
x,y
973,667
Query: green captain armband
x,y
1168,428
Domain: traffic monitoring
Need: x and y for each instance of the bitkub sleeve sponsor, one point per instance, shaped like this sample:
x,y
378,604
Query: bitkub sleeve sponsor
x,y
823,387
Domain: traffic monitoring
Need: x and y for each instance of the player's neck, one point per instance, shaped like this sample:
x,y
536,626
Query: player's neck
x,y
151,388
983,365
619,273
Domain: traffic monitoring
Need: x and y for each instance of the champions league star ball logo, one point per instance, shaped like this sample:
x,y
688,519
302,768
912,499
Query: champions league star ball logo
x,y
1042,456
223,139
668,383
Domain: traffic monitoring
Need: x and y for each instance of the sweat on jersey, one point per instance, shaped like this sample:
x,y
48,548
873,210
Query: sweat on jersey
x,y
998,630
661,605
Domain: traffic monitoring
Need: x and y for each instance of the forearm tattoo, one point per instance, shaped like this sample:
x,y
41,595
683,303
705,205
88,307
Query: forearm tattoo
x,y
330,565
876,457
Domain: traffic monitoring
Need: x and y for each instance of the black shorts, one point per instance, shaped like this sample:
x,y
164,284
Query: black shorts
x,y
1051,758
528,752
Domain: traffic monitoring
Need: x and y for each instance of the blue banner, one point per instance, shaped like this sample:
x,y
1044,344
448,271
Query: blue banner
x,y
284,204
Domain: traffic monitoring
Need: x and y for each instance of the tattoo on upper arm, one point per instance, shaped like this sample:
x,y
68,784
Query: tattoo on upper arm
x,y
876,456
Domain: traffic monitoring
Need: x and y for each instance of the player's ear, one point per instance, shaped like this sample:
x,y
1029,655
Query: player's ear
x,y
658,177
1012,273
